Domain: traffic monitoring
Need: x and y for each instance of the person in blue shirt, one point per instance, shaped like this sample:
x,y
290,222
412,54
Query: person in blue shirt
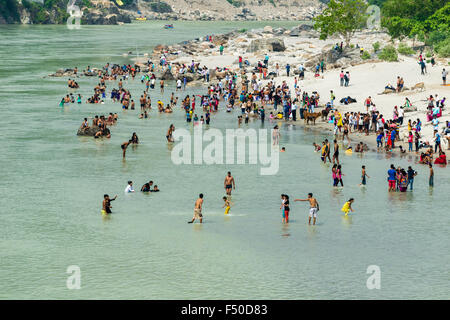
x,y
437,141
392,178
288,68
266,60
380,140
393,138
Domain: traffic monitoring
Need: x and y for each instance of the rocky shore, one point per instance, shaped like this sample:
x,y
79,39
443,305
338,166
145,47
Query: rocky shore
x,y
108,12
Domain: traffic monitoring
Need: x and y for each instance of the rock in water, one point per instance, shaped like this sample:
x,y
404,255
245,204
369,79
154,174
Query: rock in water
x,y
90,132
167,75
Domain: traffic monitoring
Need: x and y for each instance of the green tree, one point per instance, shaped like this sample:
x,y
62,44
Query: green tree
x,y
409,18
341,17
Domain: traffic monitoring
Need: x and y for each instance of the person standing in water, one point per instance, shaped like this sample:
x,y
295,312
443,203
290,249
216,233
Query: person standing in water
x,y
169,133
314,207
431,179
228,183
198,209
124,147
347,207
336,152
392,178
106,205
226,205
363,176
276,135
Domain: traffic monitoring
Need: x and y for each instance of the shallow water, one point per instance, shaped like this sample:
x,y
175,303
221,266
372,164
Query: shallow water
x,y
53,183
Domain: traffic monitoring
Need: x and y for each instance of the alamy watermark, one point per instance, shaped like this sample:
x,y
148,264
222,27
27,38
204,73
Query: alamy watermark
x,y
74,280
374,17
374,280
74,21
208,148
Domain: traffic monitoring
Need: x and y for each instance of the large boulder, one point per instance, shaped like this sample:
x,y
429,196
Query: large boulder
x,y
167,75
90,132
267,29
272,44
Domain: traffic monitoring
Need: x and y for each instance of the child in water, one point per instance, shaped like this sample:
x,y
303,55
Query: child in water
x,y
363,176
348,206
226,205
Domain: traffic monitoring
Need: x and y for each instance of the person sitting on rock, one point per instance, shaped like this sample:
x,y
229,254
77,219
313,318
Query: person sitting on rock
x,y
85,125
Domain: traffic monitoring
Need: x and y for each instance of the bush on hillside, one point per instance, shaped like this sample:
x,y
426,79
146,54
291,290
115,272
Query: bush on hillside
x,y
365,55
404,49
389,53
376,46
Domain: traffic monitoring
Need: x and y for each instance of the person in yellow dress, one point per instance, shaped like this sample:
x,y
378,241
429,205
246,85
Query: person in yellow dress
x,y
226,205
338,116
347,207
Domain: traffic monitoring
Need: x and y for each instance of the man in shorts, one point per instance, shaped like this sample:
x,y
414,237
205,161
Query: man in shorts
x,y
314,207
228,183
198,209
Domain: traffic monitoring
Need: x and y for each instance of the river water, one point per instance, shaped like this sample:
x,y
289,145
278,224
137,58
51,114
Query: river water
x,y
52,185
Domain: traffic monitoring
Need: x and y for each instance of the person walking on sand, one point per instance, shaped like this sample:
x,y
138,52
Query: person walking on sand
x,y
228,183
314,207
444,77
198,209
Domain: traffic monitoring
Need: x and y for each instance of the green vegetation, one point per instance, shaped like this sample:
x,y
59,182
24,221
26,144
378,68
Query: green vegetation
x,y
406,18
404,49
389,53
39,14
426,20
376,46
160,6
341,17
273,3
9,11
235,3
443,48
365,55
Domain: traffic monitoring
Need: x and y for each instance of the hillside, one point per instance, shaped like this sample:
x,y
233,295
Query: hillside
x,y
124,11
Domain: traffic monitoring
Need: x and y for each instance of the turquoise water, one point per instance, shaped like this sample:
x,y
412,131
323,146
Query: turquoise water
x,y
53,182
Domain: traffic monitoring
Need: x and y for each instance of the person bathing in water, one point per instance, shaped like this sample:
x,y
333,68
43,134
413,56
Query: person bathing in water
x,y
229,183
348,206
169,133
106,205
226,205
198,209
124,147
314,207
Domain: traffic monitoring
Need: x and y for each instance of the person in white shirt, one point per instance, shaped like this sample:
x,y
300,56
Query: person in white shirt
x,y
444,76
178,85
129,187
